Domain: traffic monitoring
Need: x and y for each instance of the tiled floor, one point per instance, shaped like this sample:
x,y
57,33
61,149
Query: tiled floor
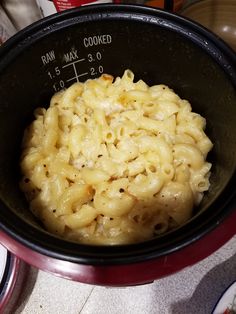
x,y
194,290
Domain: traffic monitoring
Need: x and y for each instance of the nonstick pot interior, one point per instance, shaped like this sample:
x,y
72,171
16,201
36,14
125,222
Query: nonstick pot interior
x,y
159,48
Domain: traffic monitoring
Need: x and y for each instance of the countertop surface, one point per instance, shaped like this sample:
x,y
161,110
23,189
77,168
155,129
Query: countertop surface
x,y
195,289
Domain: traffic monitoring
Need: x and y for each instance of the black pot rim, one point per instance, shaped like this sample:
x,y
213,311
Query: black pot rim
x,y
51,246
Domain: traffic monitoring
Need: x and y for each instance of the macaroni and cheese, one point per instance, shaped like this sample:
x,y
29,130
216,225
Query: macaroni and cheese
x,y
114,161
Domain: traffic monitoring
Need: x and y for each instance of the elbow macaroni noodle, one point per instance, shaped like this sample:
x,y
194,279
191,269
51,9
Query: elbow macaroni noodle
x,y
113,161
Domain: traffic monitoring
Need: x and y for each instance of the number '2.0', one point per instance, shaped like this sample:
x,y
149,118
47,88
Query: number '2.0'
x,y
94,71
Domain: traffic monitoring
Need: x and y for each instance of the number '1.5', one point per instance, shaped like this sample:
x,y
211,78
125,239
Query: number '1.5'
x,y
54,73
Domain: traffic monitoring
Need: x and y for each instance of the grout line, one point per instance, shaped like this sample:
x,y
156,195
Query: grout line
x,y
86,300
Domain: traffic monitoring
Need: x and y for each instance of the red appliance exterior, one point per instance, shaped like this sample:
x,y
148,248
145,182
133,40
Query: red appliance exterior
x,y
129,274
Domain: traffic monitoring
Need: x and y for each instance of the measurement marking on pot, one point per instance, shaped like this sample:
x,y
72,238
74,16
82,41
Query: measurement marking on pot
x,y
71,63
48,57
76,77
